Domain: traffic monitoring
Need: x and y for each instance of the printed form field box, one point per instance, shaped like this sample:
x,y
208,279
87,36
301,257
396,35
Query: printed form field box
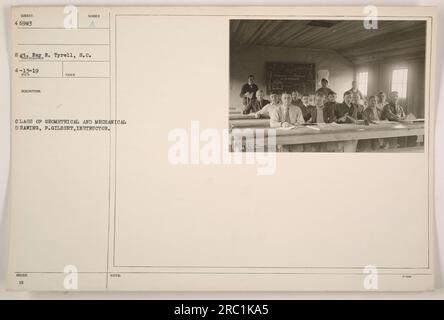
x,y
85,69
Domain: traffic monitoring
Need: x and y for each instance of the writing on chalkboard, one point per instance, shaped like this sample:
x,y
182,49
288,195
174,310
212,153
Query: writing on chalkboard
x,y
290,76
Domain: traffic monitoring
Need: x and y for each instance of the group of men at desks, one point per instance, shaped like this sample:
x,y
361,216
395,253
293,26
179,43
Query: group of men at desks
x,y
293,110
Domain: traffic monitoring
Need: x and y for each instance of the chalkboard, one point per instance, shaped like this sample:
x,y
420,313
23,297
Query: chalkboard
x,y
290,76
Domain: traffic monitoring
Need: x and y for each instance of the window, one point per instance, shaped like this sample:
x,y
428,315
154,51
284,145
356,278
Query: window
x,y
399,82
362,79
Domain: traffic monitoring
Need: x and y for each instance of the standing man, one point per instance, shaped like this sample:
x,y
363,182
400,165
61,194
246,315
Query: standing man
x,y
256,104
354,90
248,91
320,113
287,114
325,90
306,108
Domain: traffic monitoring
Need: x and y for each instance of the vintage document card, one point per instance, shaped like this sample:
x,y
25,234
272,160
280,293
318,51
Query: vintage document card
x,y
222,148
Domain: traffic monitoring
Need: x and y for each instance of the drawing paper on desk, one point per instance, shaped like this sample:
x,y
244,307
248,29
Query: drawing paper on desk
x,y
126,176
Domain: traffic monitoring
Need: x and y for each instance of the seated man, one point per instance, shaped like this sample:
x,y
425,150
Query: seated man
x,y
357,109
248,91
325,90
287,114
331,101
342,110
256,104
284,116
381,101
306,107
335,97
354,90
266,110
296,98
370,115
320,113
393,111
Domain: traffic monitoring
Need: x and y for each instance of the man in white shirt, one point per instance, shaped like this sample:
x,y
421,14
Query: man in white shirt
x,y
257,104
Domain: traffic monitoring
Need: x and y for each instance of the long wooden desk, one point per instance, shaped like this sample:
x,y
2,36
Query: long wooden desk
x,y
336,132
247,121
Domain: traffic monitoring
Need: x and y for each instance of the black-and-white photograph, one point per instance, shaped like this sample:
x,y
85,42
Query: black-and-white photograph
x,y
329,85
